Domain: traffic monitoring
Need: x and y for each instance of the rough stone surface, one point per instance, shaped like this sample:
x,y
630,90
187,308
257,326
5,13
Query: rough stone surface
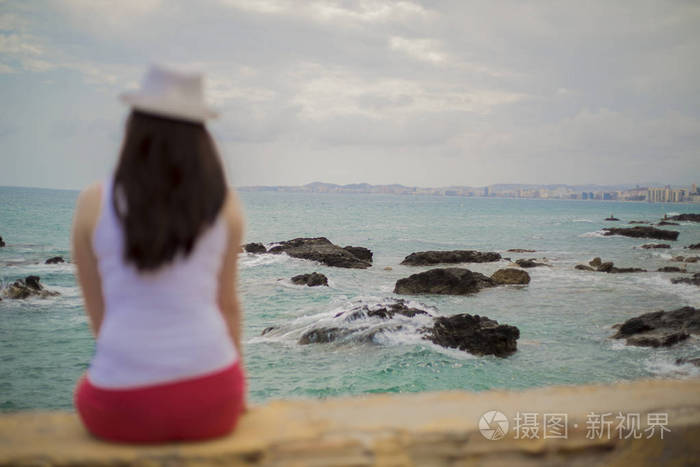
x,y
427,258
475,334
684,217
595,262
401,430
695,280
446,281
642,232
25,288
648,246
511,276
55,260
360,252
320,249
314,279
660,328
254,248
529,263
583,267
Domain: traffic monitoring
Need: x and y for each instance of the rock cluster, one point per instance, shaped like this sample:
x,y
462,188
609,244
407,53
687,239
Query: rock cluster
x,y
444,281
684,217
55,260
529,263
695,280
318,249
642,232
596,264
694,246
660,328
427,258
648,246
25,288
312,280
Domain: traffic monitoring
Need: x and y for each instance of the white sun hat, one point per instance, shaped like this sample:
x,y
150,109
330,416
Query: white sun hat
x,y
171,93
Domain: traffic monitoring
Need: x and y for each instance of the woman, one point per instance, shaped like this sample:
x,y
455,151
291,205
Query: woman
x,y
156,248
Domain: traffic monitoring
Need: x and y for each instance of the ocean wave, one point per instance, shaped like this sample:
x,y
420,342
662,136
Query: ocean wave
x,y
596,234
582,220
666,366
250,260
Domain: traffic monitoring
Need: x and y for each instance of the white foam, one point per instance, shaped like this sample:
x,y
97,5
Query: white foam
x,y
596,234
582,220
250,260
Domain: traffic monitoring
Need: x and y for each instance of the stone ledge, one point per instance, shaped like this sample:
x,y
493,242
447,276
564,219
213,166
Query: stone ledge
x,y
391,430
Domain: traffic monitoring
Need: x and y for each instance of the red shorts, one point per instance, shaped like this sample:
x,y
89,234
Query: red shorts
x,y
189,409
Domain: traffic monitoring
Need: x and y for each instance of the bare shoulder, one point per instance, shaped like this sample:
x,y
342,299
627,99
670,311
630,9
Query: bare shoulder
x,y
234,212
88,205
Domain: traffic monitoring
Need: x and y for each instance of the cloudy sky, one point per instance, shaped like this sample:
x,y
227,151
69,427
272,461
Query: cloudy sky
x,y
428,93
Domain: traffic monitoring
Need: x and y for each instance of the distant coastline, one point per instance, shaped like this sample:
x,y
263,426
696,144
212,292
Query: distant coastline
x,y
635,193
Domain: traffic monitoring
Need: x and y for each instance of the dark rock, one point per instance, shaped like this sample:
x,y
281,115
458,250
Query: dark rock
x,y
324,335
268,329
529,263
312,280
615,270
384,311
320,249
2,243
648,246
55,260
25,288
595,262
511,276
360,252
474,334
583,267
684,217
660,328
606,267
694,246
695,280
638,222
427,258
671,269
611,218
692,259
254,248
679,259
667,223
446,281
642,232
688,361
520,250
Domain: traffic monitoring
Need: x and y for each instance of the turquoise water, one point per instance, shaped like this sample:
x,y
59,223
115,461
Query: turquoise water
x,y
564,315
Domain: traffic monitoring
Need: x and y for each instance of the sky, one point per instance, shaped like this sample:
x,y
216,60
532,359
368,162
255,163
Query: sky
x,y
424,93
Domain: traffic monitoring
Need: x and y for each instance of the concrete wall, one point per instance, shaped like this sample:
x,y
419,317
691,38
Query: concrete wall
x,y
431,429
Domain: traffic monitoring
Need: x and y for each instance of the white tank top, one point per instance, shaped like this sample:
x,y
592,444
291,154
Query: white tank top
x,y
158,326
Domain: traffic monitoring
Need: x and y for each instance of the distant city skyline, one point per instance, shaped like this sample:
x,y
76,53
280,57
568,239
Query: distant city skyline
x,y
414,92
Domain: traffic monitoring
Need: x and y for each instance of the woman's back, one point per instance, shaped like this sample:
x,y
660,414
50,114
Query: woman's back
x,y
162,325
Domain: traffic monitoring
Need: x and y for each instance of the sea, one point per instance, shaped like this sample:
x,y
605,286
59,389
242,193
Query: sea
x,y
565,316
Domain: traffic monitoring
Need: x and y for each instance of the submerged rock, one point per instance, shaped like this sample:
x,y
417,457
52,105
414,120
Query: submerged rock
x,y
612,218
254,248
583,267
511,276
684,217
445,281
667,223
2,243
639,222
671,269
695,280
55,260
427,258
642,232
648,246
688,361
660,328
608,266
321,249
692,259
475,334
529,263
25,288
520,250
694,246
470,333
312,280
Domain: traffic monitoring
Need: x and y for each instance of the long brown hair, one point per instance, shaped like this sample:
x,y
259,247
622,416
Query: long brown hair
x,y
169,186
